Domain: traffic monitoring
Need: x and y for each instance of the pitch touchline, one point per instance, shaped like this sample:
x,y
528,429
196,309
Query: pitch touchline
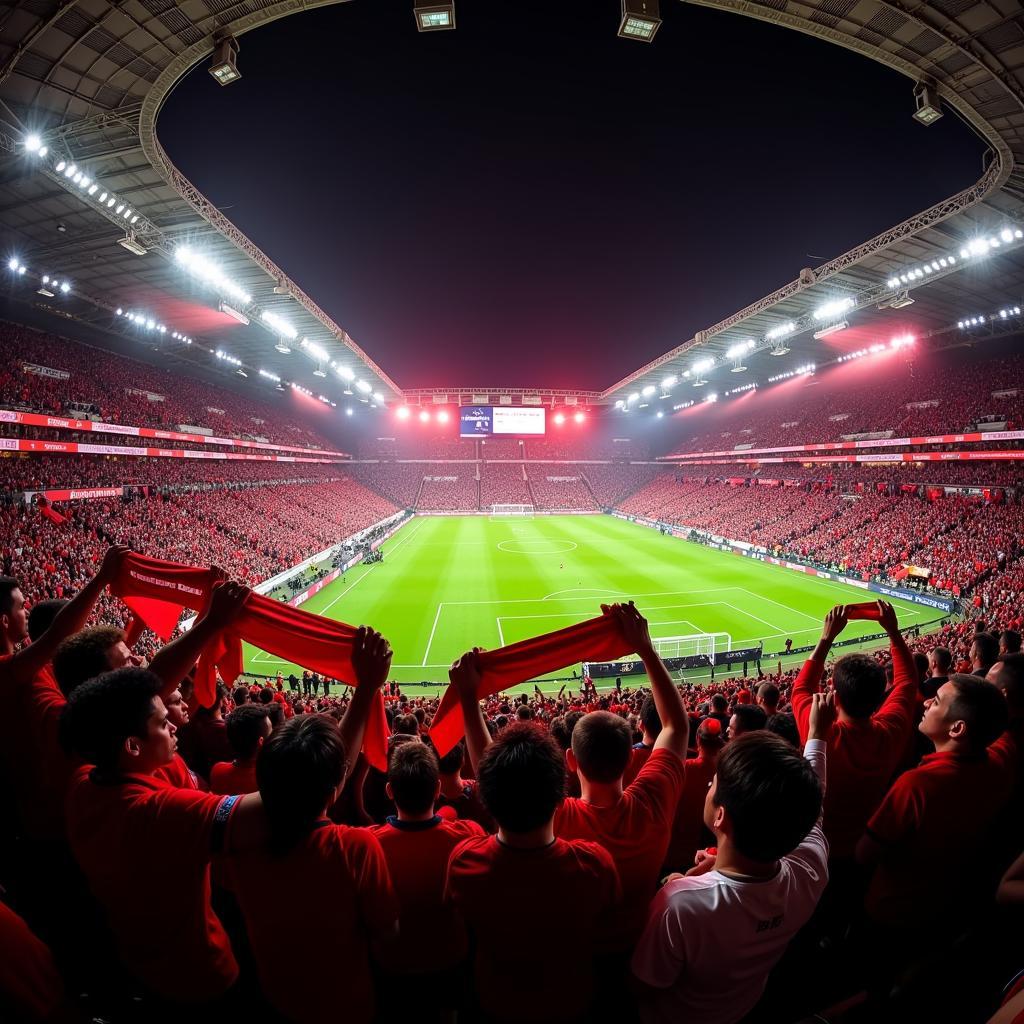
x,y
426,653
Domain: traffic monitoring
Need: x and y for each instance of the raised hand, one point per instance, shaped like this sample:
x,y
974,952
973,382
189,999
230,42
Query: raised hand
x,y
823,715
371,658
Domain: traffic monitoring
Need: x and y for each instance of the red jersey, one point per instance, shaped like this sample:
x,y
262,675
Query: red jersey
x,y
145,848
349,895
688,830
534,956
637,759
232,777
933,826
635,830
30,986
431,936
179,775
862,755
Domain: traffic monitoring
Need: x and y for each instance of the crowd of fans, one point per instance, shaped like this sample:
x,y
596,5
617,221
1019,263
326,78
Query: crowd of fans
x,y
114,388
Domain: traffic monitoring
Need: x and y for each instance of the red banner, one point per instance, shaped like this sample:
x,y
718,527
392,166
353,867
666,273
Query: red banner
x,y
880,442
31,419
740,458
13,444
74,494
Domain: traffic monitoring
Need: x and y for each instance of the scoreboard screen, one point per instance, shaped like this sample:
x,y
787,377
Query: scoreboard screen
x,y
501,420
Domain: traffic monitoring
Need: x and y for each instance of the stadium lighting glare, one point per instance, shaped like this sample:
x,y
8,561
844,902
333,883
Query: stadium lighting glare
x,y
282,327
434,16
648,390
65,287
833,310
33,143
221,354
442,416
70,171
364,387
378,397
424,416
781,331
235,314
345,373
619,403
711,398
402,412
316,351
800,371
979,321
282,347
319,372
701,365
902,341
641,20
670,381
60,166
831,329
224,64
12,264
659,414
738,391
738,351
348,411
209,272
682,405
634,397
579,417
559,418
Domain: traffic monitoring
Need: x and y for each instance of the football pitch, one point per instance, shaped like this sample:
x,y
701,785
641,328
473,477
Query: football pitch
x,y
448,583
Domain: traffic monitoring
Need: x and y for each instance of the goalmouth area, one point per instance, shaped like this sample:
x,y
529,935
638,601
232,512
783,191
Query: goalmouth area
x,y
448,583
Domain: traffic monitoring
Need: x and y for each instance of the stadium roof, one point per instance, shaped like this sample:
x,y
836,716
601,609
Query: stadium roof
x,y
90,77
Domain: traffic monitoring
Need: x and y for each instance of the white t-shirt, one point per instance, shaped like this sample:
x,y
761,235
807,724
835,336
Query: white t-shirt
x,y
711,940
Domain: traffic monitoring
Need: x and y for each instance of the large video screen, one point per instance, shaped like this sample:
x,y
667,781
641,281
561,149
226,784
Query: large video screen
x,y
498,420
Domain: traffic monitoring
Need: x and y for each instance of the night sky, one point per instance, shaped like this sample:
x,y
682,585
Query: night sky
x,y
530,200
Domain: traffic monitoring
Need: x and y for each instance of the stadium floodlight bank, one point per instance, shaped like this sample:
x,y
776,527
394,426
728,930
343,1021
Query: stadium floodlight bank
x,y
512,511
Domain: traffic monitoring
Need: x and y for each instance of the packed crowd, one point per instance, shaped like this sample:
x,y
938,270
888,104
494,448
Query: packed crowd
x,y
658,853
950,393
115,388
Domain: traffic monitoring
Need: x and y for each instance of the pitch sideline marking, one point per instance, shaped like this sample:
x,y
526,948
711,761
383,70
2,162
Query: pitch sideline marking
x,y
426,653
586,590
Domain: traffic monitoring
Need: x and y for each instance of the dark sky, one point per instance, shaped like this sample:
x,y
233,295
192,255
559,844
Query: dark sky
x,y
530,200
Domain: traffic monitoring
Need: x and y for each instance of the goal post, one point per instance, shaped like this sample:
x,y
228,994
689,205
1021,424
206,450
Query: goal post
x,y
692,645
512,511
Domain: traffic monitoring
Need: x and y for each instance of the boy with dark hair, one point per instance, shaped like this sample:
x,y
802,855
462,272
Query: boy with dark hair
x,y
127,827
720,710
940,664
462,795
768,698
248,728
301,769
872,731
934,822
535,962
984,653
650,729
1009,642
91,652
417,846
715,933
746,718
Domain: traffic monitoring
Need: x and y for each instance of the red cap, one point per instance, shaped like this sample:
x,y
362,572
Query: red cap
x,y
711,727
743,697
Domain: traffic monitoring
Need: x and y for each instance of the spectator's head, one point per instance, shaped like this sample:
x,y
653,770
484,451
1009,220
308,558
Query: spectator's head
x,y
117,721
414,779
768,697
719,704
247,727
240,695
940,661
860,684
650,720
1009,640
920,666
90,652
13,617
1007,675
746,718
299,771
177,708
601,747
407,724
710,737
41,617
743,697
451,763
765,797
984,651
784,725
521,777
266,696
523,713
966,715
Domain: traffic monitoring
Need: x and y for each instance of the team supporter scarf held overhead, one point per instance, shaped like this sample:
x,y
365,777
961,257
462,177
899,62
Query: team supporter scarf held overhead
x,y
156,591
597,639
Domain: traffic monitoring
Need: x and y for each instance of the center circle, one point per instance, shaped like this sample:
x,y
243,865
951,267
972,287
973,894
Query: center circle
x,y
530,547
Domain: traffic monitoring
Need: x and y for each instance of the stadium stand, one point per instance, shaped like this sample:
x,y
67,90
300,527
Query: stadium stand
x,y
560,486
502,482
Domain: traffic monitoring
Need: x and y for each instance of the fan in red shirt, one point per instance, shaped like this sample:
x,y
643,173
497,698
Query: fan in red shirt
x,y
418,844
871,735
634,824
688,829
301,770
130,829
248,728
534,960
934,823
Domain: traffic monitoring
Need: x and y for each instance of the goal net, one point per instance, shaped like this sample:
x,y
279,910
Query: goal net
x,y
707,644
513,511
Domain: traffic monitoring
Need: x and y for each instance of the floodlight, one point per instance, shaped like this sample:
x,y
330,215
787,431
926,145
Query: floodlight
x,y
424,416
230,311
315,350
634,396
132,244
559,418
275,322
65,287
319,372
12,264
579,417
739,350
33,143
669,381
60,166
432,16
348,412
224,65
402,412
93,189
640,20
926,100
282,348
346,373
701,365
364,387
378,397
831,329
442,416
648,390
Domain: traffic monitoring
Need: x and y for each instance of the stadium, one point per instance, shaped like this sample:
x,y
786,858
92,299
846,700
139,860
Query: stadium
x,y
509,658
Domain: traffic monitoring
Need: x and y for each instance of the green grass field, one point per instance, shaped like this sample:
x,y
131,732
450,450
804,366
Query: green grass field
x,y
449,583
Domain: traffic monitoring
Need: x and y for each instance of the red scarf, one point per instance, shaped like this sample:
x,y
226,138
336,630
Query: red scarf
x,y
156,591
597,639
